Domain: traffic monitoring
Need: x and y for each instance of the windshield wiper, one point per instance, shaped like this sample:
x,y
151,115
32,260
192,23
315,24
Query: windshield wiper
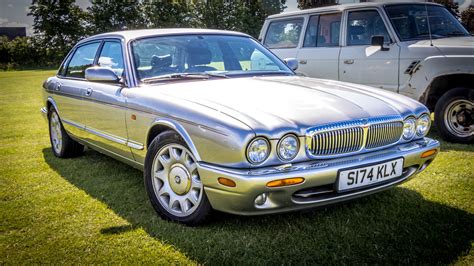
x,y
455,33
183,76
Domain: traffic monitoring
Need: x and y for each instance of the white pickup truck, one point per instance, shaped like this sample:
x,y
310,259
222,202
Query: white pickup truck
x,y
416,49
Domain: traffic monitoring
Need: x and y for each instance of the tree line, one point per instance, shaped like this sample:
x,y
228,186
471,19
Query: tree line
x,y
59,24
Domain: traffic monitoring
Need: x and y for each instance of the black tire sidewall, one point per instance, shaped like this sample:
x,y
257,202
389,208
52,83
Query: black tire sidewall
x,y
441,108
204,208
62,152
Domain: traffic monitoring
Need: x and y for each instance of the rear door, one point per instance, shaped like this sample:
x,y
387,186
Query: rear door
x,y
362,63
283,36
71,85
319,54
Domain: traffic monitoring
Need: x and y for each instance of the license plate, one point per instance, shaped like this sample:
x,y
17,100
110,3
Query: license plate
x,y
368,175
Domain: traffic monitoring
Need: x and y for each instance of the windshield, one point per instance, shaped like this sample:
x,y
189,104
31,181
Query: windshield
x,y
411,22
203,54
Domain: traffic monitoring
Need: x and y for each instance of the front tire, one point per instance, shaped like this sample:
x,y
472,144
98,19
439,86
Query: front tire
x,y
454,115
62,145
172,181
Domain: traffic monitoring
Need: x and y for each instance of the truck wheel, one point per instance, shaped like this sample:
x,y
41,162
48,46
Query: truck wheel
x,y
172,181
63,146
454,115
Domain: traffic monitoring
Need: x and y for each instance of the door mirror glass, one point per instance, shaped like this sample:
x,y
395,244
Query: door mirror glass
x,y
378,40
101,74
291,63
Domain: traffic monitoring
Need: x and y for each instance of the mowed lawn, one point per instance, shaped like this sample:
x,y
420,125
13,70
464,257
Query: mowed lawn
x,y
93,209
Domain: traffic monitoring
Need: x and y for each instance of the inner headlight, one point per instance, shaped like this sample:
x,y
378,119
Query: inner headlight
x,y
423,125
409,128
258,150
288,147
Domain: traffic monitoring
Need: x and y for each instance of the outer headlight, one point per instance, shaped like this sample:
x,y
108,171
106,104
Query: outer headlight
x,y
409,128
288,147
423,125
258,150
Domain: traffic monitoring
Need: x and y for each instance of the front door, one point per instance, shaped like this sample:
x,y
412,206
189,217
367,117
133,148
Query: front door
x,y
359,62
106,106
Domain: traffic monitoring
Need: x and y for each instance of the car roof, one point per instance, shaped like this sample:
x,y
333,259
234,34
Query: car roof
x,y
128,35
342,7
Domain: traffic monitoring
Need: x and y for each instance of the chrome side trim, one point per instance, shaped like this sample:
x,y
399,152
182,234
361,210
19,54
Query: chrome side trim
x,y
130,143
74,124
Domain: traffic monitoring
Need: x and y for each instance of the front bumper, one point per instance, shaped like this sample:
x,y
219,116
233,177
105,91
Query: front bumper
x,y
317,189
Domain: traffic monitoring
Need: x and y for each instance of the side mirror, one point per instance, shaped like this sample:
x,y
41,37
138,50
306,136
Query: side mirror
x,y
378,40
291,63
101,74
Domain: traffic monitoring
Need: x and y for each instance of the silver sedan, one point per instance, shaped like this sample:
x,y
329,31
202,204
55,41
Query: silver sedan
x,y
216,121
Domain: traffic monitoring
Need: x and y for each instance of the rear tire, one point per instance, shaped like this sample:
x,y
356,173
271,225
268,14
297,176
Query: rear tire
x,y
454,115
62,145
172,181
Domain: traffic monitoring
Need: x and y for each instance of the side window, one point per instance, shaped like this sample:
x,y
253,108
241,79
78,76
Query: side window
x,y
284,34
83,58
111,56
362,25
328,30
311,35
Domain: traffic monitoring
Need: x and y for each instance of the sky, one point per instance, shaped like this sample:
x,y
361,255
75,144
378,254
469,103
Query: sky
x,y
13,12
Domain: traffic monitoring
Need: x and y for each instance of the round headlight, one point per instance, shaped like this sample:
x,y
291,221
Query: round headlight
x,y
258,150
288,147
423,125
409,128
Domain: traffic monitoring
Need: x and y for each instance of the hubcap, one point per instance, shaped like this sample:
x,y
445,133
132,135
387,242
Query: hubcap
x,y
459,118
176,181
55,131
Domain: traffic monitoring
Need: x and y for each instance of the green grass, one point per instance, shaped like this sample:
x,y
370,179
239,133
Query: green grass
x,y
93,209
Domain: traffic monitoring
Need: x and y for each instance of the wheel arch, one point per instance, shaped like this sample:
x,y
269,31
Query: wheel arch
x,y
442,84
50,102
160,125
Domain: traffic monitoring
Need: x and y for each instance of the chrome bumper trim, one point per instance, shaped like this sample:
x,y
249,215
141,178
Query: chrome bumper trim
x,y
252,182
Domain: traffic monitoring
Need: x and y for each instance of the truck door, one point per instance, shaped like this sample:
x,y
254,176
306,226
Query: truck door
x,y
319,54
359,62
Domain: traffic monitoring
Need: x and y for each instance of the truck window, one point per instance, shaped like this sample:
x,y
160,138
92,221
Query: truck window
x,y
323,31
362,25
284,33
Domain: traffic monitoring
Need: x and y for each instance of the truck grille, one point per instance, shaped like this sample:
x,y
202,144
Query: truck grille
x,y
353,136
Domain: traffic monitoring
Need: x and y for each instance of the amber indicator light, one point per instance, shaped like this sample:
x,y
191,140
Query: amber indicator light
x,y
133,117
285,182
428,153
226,182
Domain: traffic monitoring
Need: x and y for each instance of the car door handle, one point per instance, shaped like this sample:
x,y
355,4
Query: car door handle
x,y
88,92
349,61
303,62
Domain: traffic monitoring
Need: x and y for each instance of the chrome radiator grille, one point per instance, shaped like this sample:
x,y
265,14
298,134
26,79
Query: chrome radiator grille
x,y
337,141
384,134
353,136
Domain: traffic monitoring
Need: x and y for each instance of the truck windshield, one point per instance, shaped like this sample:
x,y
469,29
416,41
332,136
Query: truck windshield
x,y
415,21
195,56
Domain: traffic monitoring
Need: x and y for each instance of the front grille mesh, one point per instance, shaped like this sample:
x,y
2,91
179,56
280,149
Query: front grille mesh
x,y
337,141
332,141
380,135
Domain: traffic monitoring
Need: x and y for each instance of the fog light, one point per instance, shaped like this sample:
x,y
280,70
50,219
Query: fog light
x,y
261,199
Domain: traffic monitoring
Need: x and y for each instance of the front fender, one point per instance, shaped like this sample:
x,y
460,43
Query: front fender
x,y
179,129
432,67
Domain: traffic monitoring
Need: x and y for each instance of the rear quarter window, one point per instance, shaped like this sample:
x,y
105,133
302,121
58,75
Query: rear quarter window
x,y
284,33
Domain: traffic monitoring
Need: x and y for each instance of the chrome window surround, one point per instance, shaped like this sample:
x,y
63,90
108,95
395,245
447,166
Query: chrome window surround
x,y
363,124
